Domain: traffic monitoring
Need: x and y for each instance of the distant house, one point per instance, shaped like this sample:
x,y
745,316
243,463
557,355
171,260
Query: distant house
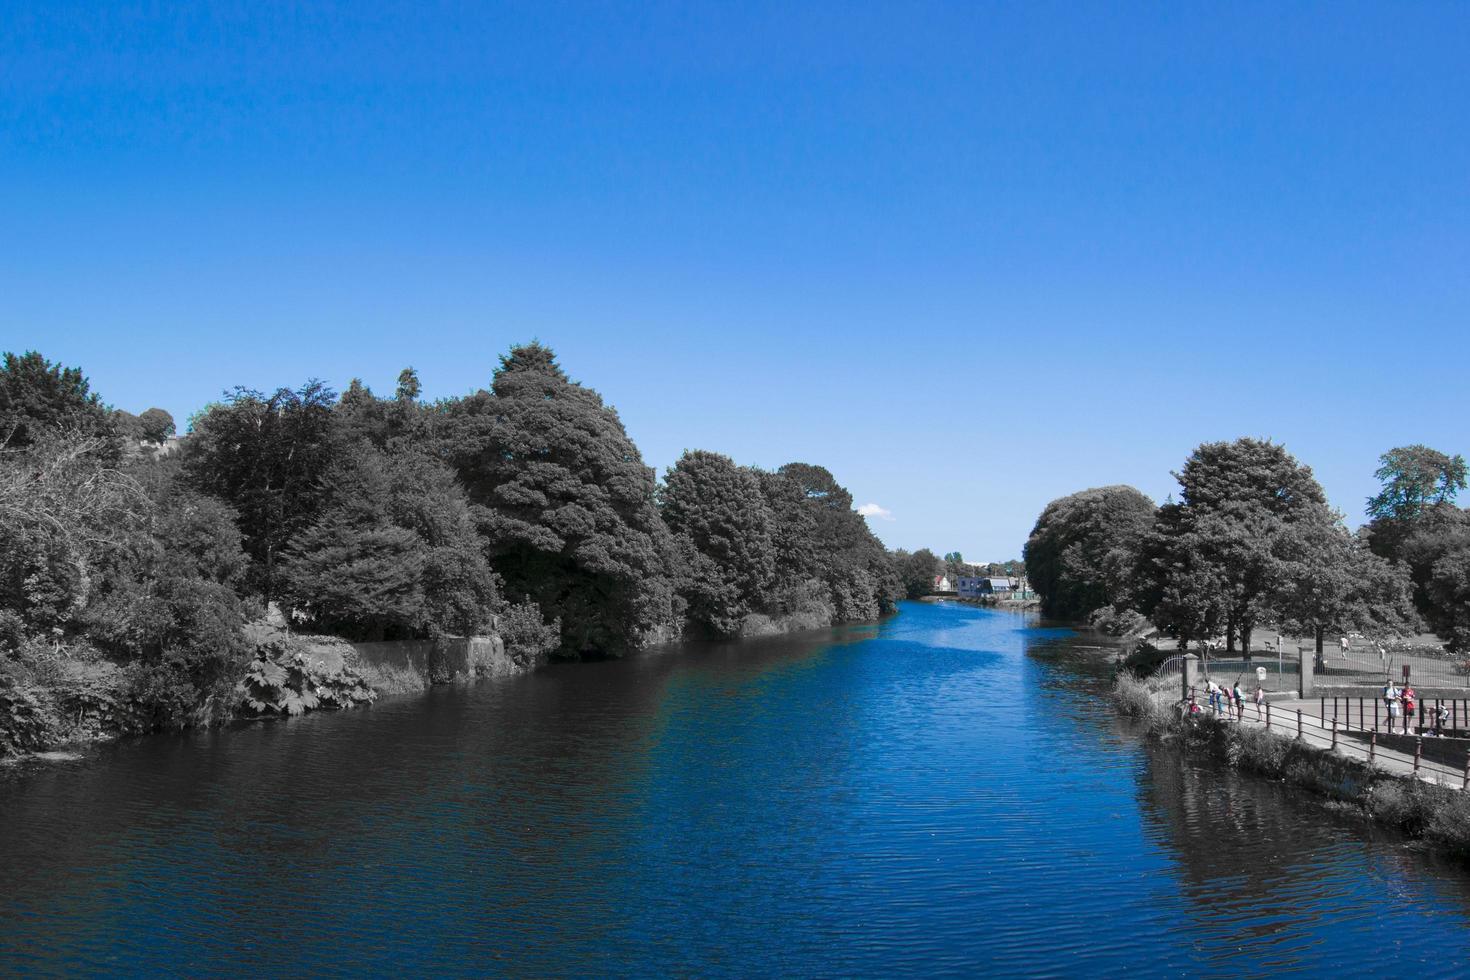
x,y
942,584
979,585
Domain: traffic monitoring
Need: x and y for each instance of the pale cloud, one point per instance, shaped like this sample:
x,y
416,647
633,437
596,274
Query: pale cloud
x,y
873,510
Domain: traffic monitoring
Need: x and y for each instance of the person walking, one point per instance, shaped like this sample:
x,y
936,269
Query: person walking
x,y
1441,719
1342,643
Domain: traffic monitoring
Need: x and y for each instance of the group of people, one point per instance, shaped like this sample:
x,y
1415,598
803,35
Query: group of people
x,y
1226,701
1400,701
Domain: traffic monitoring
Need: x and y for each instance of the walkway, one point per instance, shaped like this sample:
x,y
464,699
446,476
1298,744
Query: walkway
x,y
1317,732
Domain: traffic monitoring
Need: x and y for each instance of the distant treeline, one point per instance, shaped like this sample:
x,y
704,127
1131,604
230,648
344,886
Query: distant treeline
x,y
369,517
919,569
1251,542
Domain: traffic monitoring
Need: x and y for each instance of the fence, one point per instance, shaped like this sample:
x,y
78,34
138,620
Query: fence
x,y
1281,674
1444,758
1366,666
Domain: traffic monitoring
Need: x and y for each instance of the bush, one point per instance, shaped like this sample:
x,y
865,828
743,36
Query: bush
x,y
1140,698
281,682
527,637
23,723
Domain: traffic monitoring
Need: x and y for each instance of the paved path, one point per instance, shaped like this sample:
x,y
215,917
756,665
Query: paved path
x,y
1317,733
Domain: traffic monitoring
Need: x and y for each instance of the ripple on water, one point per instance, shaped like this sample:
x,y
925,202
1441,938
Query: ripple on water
x,y
946,794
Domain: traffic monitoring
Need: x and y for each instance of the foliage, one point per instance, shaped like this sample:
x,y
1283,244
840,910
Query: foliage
x,y
64,509
1414,478
40,400
282,682
1082,552
156,424
916,571
267,456
394,554
1448,593
527,636
1221,558
23,723
1334,582
568,517
861,578
725,527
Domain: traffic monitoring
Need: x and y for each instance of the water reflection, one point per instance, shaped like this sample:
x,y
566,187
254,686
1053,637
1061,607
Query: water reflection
x,y
948,792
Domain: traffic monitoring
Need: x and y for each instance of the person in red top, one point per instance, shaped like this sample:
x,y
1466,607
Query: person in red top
x,y
1410,701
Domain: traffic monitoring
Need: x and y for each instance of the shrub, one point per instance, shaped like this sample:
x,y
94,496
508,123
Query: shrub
x,y
281,682
1139,698
23,723
527,637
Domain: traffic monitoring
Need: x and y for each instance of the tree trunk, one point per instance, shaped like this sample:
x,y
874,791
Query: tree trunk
x,y
1229,637
1245,640
1320,630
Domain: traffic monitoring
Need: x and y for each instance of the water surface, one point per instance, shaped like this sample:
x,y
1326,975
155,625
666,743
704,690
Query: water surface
x,y
944,793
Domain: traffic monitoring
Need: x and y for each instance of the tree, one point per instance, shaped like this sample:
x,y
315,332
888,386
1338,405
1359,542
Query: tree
x,y
859,574
1448,590
719,516
157,425
394,555
1081,554
39,398
1220,557
569,518
408,386
917,571
1176,583
267,456
1336,583
91,557
1414,478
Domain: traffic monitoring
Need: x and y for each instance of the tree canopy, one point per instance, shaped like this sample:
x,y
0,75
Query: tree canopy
x,y
1415,478
1081,553
40,399
569,517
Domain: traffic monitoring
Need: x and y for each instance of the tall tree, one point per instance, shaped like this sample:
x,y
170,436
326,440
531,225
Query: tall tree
x,y
1081,554
39,398
717,512
1228,535
569,516
393,555
1334,582
859,573
917,571
1415,478
267,456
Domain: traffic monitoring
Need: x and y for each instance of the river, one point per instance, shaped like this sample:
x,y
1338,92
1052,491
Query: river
x,y
947,792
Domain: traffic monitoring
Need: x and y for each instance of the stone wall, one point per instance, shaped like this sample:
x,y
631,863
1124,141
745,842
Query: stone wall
x,y
398,666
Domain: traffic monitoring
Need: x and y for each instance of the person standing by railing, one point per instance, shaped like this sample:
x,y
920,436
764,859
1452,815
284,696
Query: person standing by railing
x,y
1391,697
1260,700
1239,699
1409,705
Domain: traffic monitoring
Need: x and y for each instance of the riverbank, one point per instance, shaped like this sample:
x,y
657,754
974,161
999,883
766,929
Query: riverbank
x,y
1435,815
64,706
984,602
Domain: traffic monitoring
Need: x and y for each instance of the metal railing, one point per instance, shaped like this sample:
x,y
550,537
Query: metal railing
x,y
1403,746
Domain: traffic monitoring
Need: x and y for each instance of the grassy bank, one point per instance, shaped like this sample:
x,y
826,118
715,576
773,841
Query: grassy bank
x,y
1435,815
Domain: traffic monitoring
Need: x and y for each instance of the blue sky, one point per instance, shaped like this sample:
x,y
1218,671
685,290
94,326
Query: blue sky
x,y
970,257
